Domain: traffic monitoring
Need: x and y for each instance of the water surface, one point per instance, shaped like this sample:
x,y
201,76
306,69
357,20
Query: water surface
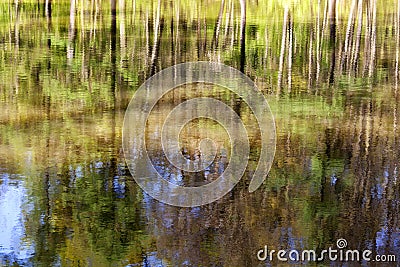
x,y
68,70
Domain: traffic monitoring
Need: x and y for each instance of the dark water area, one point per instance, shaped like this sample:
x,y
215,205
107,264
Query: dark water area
x,y
68,69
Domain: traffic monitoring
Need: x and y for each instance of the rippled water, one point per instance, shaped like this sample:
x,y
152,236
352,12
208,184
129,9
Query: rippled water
x,y
69,69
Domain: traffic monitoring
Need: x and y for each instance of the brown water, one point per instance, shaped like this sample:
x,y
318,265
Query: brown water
x,y
69,69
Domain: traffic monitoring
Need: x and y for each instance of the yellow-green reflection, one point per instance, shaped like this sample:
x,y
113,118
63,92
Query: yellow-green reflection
x,y
69,68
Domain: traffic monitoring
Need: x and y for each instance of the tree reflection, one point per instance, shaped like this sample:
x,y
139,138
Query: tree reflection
x,y
333,65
